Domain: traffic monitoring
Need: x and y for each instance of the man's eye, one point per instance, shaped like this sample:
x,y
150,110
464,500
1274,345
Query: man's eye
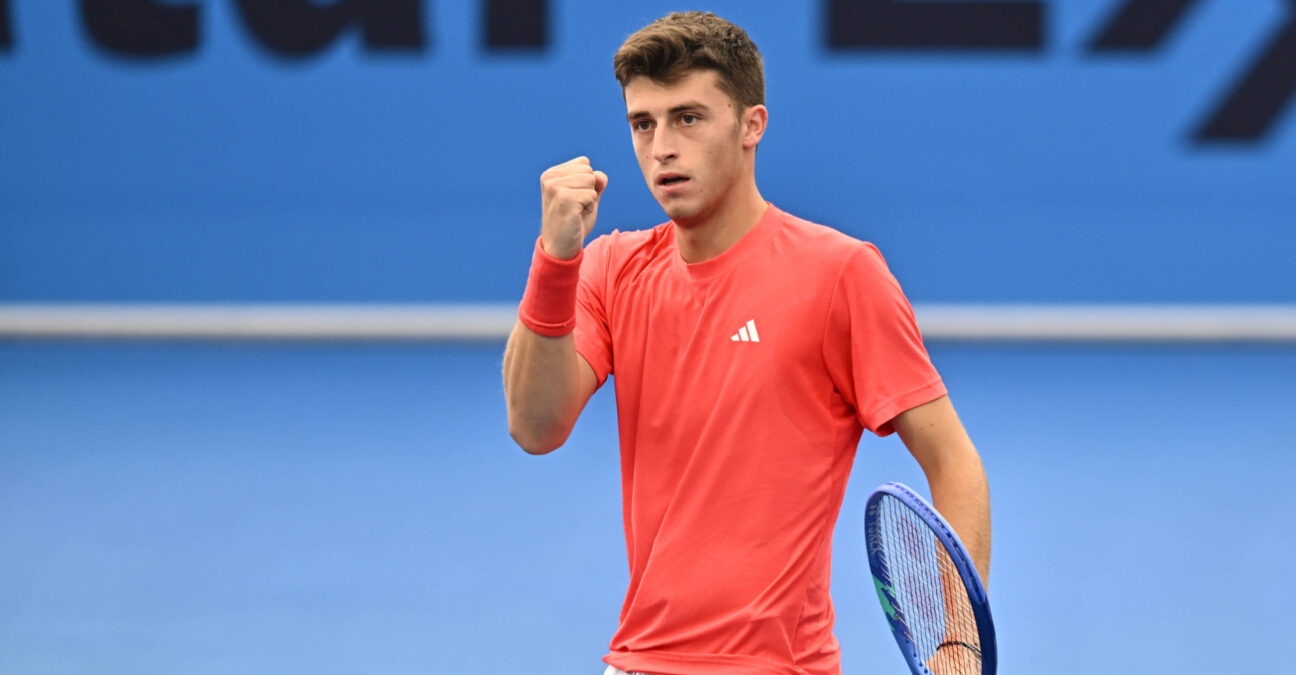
x,y
688,119
642,125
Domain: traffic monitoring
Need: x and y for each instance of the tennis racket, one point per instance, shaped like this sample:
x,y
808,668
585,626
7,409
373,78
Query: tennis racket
x,y
928,586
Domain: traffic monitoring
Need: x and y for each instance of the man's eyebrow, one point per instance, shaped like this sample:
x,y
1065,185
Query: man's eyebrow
x,y
688,105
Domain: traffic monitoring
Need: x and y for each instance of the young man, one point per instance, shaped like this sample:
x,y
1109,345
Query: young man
x,y
750,347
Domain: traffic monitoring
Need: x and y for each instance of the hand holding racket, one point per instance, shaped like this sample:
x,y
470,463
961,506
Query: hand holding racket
x,y
928,586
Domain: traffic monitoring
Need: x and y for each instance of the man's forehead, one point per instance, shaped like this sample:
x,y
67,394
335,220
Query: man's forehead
x,y
646,95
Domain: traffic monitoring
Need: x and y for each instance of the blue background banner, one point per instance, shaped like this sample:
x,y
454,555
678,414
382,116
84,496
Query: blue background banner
x,y
296,157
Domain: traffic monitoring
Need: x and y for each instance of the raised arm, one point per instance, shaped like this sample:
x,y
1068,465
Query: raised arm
x,y
934,435
546,383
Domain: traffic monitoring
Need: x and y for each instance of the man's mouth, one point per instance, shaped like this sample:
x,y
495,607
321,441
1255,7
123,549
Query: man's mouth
x,y
671,179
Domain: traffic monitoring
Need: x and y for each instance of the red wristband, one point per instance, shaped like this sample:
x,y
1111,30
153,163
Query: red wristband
x,y
549,304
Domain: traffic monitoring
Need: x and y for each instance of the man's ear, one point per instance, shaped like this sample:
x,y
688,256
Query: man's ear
x,y
753,123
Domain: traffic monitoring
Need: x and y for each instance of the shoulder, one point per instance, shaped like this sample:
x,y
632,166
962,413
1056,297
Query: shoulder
x,y
630,242
617,249
828,248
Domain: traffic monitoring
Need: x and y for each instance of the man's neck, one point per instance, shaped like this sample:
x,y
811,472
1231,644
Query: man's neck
x,y
734,218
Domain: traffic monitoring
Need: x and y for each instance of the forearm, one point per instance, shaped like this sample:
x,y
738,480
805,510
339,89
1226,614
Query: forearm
x,y
546,383
542,388
960,492
935,436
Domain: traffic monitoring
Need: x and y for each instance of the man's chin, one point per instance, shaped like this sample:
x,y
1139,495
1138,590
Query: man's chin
x,y
682,214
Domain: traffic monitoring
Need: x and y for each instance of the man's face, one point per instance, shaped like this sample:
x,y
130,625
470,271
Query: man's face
x,y
688,140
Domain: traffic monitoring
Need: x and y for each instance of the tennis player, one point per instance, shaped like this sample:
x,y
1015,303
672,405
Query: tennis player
x,y
750,349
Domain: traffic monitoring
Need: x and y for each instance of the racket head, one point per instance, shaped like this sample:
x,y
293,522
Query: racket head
x,y
905,600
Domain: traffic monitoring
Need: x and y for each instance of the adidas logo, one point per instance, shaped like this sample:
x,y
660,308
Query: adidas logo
x,y
747,333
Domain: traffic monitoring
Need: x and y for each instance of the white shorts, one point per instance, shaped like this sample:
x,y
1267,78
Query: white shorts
x,y
613,670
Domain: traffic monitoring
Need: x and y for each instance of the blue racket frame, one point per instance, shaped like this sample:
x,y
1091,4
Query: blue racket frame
x,y
958,555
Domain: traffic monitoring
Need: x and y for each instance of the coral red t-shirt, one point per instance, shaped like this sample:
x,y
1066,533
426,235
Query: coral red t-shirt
x,y
743,384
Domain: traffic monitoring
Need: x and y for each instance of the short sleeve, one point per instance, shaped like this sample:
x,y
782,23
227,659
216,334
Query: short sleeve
x,y
872,346
593,332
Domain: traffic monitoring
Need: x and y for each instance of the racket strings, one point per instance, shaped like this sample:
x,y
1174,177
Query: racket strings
x,y
929,593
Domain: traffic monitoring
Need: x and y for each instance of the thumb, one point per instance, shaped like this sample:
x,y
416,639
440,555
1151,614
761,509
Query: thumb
x,y
600,182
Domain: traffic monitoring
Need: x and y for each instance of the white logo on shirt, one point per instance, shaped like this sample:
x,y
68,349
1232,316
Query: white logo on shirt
x,y
747,333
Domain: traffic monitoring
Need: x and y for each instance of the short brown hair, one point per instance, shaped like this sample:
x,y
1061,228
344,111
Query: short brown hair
x,y
667,49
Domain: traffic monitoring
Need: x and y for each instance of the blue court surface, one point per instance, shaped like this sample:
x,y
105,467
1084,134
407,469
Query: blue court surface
x,y
329,508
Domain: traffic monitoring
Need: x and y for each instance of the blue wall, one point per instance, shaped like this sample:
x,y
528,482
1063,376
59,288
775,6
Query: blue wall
x,y
232,174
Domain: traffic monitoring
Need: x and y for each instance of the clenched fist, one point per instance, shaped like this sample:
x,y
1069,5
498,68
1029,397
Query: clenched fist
x,y
569,202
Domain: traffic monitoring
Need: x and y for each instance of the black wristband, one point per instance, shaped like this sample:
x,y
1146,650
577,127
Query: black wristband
x,y
959,643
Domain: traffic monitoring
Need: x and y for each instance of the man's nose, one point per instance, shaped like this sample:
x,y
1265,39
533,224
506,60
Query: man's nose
x,y
664,146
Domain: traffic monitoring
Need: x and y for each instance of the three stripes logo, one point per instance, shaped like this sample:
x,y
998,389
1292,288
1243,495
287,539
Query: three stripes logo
x,y
747,333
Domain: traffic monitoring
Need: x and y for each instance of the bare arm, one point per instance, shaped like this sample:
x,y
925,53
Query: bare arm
x,y
546,383
934,435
